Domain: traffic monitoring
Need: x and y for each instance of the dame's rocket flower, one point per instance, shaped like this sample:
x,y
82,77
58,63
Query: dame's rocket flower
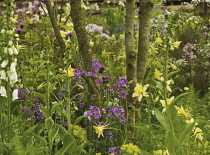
x,y
140,91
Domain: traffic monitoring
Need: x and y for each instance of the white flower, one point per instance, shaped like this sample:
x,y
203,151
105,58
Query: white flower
x,y
3,91
15,94
3,74
4,63
121,3
12,77
3,31
12,67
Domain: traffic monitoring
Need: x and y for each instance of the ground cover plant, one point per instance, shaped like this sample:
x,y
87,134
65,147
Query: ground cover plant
x,y
131,80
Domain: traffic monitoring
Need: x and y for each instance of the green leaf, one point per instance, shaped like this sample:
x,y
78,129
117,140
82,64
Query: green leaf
x,y
142,152
53,133
41,96
142,128
49,123
51,87
67,142
78,149
78,119
186,132
172,144
42,140
162,119
172,73
62,131
171,111
55,107
44,111
29,130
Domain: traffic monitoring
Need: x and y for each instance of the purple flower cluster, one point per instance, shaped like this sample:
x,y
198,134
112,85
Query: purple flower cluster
x,y
93,113
115,113
115,150
36,105
109,134
93,28
22,93
36,110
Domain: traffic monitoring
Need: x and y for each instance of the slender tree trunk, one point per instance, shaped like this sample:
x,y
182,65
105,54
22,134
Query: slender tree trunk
x,y
131,54
145,12
56,28
79,21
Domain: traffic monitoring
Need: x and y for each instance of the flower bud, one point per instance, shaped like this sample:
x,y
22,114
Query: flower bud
x,y
10,51
5,50
15,51
3,31
10,43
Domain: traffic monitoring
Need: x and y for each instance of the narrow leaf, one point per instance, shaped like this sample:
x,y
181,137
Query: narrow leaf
x,y
41,96
186,132
54,132
78,119
44,111
162,119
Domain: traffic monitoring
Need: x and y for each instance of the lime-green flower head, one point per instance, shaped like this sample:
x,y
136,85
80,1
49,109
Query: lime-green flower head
x,y
140,91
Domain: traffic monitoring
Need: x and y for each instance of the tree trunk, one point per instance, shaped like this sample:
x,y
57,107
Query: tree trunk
x,y
131,54
79,21
145,11
56,28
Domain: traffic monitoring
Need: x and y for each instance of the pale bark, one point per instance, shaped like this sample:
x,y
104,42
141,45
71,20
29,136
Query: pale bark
x,y
131,54
79,21
145,12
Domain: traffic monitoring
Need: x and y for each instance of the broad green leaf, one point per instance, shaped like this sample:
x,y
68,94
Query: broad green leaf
x,y
54,132
41,96
67,142
55,107
186,132
173,145
49,123
62,131
44,111
171,111
78,119
26,132
162,119
78,149
160,85
42,140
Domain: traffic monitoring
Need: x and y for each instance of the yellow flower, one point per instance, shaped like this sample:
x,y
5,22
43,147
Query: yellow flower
x,y
70,72
157,74
173,66
168,101
175,45
161,152
140,91
168,84
152,50
198,133
99,129
91,43
186,88
159,41
98,153
190,121
181,111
